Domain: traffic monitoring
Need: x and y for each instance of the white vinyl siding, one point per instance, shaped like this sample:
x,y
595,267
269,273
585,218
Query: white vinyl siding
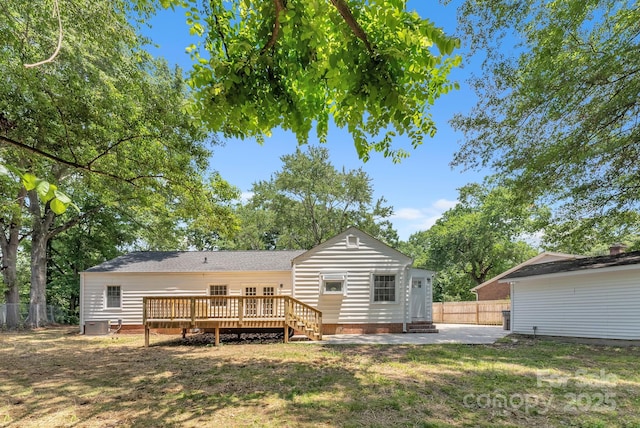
x,y
371,256
593,304
134,286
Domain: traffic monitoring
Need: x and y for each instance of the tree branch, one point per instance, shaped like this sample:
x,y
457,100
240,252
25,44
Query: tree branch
x,y
221,34
113,146
357,30
75,165
56,10
276,27
72,222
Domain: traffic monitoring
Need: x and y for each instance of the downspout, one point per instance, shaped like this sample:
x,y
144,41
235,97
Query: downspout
x,y
293,279
511,286
407,286
81,302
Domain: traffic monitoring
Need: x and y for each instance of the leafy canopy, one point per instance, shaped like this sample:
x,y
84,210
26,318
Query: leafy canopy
x,y
373,67
308,201
560,114
477,239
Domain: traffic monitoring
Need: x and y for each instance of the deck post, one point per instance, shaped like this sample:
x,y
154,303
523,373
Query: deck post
x,y
240,309
217,342
286,320
193,311
144,322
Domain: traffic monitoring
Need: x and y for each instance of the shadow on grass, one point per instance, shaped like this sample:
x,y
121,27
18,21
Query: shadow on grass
x,y
68,380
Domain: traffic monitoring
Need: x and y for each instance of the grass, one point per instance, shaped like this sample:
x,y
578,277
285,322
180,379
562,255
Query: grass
x,y
54,377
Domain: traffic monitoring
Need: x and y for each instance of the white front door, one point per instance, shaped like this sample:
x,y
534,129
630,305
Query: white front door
x,y
418,299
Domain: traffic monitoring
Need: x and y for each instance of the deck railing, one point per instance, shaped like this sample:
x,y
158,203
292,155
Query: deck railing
x,y
195,310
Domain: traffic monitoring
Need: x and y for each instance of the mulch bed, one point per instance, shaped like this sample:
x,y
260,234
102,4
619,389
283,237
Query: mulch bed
x,y
208,339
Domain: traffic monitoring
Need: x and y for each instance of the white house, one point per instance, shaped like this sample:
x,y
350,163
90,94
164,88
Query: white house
x,y
360,284
595,297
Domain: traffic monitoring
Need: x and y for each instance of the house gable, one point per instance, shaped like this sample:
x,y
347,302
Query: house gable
x,y
366,264
346,237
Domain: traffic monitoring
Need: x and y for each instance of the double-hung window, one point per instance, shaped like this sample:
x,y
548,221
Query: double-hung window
x,y
218,290
114,297
384,288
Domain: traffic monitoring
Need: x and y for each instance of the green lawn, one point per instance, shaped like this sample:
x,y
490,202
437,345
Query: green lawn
x,y
55,377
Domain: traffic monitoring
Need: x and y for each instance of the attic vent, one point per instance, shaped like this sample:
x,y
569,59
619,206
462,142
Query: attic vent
x,y
352,241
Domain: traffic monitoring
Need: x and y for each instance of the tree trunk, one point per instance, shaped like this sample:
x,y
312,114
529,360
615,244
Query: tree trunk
x,y
9,249
10,278
41,223
38,294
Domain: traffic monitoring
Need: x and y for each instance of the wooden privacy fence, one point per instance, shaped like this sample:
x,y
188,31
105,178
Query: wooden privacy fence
x,y
483,312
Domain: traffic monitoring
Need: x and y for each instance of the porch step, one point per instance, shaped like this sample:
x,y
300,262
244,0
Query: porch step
x,y
421,327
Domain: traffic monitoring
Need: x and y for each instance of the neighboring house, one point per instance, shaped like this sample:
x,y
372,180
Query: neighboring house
x,y
493,289
360,284
595,297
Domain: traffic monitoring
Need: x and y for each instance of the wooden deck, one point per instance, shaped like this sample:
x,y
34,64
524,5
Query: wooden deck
x,y
236,312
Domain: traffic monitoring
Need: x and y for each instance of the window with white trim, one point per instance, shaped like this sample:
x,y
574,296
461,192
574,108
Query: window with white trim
x,y
218,290
267,304
384,288
113,297
333,283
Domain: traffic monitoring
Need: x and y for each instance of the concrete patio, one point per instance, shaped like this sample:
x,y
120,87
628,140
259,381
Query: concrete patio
x,y
448,333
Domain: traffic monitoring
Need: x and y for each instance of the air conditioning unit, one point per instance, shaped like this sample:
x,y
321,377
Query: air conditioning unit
x,y
96,328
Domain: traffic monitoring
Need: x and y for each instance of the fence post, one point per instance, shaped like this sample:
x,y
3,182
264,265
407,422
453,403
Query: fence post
x,y
477,313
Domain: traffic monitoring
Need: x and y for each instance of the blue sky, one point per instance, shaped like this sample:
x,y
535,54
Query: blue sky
x,y
420,188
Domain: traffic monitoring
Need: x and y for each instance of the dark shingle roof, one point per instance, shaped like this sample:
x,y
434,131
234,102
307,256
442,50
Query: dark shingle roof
x,y
579,264
194,261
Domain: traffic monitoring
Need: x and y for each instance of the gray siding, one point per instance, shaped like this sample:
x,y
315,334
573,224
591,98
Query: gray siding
x,y
594,304
370,257
134,286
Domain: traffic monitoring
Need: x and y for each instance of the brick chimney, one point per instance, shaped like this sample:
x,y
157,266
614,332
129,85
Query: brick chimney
x,y
616,249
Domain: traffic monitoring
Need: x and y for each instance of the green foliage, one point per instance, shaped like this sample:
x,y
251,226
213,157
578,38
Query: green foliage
x,y
110,125
476,240
309,201
560,114
48,193
374,68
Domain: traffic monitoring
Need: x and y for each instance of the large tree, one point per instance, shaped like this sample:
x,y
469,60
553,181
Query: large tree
x,y
482,236
106,121
374,68
308,201
559,108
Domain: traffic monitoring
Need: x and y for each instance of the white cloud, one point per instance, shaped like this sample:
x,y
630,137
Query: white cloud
x,y
443,205
245,196
408,214
408,221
